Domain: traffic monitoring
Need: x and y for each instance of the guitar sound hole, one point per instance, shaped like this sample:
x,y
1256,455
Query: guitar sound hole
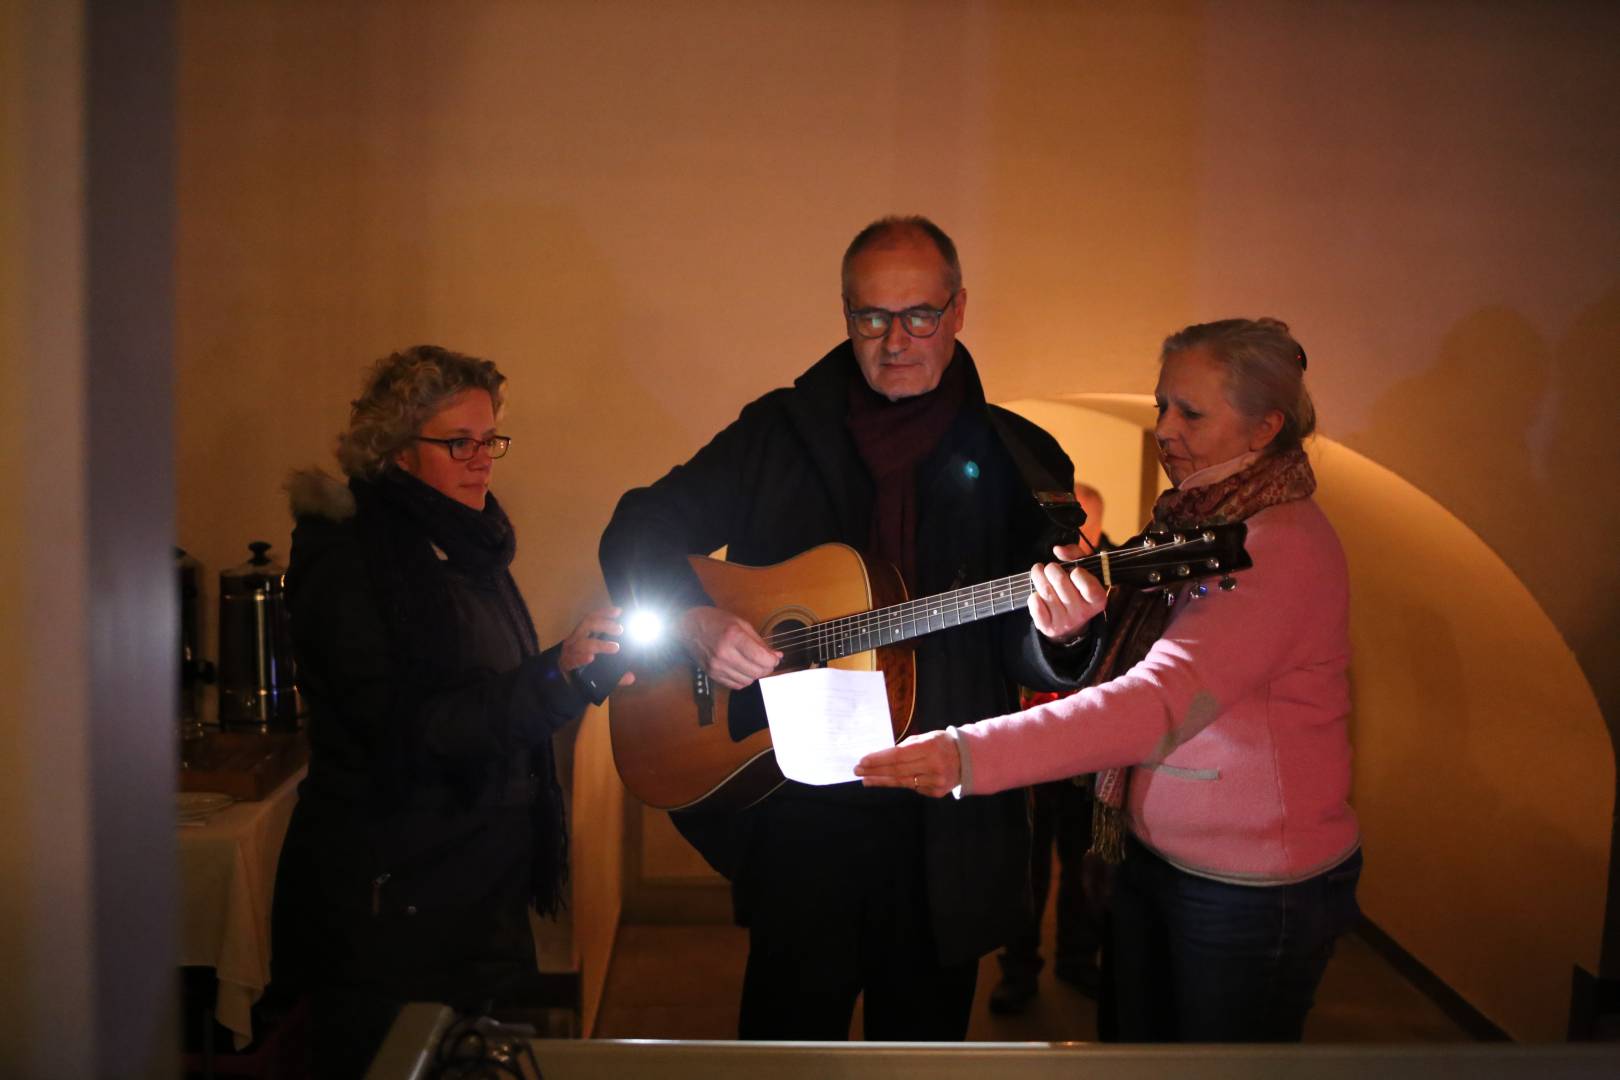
x,y
745,712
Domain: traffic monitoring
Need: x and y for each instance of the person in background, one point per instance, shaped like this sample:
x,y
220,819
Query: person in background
x,y
431,820
1218,720
1060,821
888,445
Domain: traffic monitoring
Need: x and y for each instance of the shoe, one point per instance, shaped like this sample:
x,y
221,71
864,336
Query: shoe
x,y
1012,996
1084,977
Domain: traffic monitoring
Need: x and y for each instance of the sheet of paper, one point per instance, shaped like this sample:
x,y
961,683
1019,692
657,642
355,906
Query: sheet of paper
x,y
825,720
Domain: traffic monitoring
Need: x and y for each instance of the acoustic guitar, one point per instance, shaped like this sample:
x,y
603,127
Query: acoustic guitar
x,y
682,742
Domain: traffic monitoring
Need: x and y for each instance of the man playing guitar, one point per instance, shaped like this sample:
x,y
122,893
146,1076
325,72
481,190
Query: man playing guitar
x,y
887,445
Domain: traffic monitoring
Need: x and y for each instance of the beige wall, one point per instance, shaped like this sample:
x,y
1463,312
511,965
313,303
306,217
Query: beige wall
x,y
1431,194
637,208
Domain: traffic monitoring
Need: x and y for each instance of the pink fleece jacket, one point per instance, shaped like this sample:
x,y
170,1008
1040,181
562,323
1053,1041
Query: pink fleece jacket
x,y
1235,719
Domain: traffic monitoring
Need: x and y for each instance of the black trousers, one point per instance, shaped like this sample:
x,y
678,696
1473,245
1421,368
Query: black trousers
x,y
838,908
359,966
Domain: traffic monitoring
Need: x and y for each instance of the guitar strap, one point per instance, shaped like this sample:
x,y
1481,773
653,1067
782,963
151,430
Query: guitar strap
x,y
1055,500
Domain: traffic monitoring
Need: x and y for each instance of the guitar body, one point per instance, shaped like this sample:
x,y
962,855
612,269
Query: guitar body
x,y
682,742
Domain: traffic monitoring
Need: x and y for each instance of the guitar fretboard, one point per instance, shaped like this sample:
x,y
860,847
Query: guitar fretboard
x,y
851,634
1180,556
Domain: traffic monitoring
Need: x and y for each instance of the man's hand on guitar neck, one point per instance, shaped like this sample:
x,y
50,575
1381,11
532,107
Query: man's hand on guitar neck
x,y
1064,600
727,648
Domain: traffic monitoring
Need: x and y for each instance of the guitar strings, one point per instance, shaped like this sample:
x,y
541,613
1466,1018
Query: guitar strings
x,y
1012,591
991,592
989,598
977,601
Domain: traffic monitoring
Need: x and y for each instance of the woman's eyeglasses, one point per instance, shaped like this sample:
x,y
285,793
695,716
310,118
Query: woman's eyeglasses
x,y
466,447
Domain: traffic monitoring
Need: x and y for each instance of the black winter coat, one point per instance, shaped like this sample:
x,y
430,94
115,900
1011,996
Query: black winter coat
x,y
786,476
431,815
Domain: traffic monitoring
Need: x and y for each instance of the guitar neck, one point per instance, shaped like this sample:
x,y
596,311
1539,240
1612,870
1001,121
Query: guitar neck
x,y
1153,559
852,634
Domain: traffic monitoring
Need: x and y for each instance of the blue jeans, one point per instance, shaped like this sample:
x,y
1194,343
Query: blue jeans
x,y
1204,961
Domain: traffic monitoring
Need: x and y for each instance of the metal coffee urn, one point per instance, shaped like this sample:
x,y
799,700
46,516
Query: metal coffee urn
x,y
258,687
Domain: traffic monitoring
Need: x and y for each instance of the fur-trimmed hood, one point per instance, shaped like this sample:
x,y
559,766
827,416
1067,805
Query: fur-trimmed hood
x,y
314,492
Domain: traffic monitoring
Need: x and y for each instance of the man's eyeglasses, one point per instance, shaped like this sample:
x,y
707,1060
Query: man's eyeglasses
x,y
921,321
466,448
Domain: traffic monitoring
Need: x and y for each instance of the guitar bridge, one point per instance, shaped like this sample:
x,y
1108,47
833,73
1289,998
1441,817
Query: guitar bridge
x,y
703,696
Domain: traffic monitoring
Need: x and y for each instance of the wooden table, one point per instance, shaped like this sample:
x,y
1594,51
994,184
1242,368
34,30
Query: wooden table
x,y
227,879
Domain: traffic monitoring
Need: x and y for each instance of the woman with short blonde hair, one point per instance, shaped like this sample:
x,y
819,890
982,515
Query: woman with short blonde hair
x,y
431,821
1216,724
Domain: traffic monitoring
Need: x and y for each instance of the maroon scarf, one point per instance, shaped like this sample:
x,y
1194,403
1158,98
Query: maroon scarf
x,y
893,437
1137,618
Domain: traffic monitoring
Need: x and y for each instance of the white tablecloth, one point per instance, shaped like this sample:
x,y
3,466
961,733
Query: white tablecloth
x,y
227,877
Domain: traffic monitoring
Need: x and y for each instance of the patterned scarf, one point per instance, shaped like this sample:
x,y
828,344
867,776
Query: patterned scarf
x,y
1137,618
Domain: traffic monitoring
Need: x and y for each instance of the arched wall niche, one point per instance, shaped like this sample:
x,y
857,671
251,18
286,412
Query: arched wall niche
x,y
1485,775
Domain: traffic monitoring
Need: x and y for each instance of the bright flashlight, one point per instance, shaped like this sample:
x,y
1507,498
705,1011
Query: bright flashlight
x,y
598,678
643,627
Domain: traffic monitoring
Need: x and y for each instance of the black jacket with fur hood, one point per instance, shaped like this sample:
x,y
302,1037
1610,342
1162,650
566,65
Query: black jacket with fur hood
x,y
432,816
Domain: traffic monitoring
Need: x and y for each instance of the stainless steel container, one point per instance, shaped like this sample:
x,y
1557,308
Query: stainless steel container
x,y
258,686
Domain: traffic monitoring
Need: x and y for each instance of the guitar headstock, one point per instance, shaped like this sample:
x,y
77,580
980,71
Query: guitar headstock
x,y
1164,558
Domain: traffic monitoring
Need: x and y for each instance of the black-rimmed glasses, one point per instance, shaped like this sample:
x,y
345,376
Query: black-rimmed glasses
x,y
920,321
466,447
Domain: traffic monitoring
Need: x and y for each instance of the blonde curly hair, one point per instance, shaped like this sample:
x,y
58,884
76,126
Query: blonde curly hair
x,y
401,393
